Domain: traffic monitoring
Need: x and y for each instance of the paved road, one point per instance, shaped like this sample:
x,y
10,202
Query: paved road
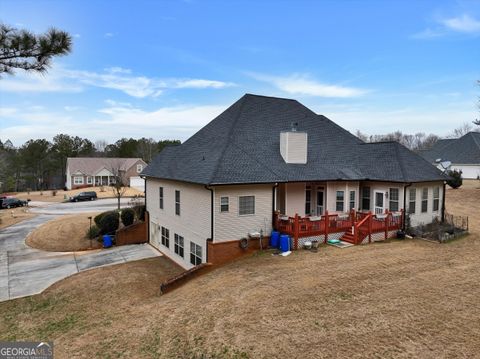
x,y
99,205
26,271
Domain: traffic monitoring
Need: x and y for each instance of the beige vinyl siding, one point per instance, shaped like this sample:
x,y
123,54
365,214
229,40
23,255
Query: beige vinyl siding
x,y
427,217
346,187
193,223
232,226
295,199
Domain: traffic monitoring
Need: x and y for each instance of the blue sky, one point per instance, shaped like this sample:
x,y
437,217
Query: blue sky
x,y
163,69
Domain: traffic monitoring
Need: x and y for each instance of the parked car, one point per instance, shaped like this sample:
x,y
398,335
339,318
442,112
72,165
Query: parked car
x,y
13,202
84,196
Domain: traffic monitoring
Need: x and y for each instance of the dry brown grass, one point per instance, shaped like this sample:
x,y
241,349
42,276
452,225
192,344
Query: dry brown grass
x,y
47,196
64,234
13,216
400,299
465,201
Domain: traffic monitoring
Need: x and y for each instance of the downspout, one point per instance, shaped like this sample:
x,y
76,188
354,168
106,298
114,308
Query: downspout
x,y
405,205
145,193
443,201
211,221
274,201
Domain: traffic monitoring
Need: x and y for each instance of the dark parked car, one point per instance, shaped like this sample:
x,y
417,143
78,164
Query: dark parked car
x,y
84,196
13,202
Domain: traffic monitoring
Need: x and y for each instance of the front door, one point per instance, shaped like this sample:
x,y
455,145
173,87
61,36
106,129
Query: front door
x,y
319,202
379,202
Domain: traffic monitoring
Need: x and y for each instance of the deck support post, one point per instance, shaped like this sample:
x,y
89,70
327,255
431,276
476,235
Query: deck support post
x,y
369,226
295,232
387,218
327,224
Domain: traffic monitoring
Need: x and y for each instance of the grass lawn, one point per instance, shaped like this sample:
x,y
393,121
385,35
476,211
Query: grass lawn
x,y
64,234
13,216
398,299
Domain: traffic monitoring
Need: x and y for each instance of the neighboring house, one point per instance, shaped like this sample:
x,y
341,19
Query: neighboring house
x,y
84,172
461,154
249,170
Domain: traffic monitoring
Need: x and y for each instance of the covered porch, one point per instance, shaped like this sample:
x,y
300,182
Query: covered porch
x,y
355,212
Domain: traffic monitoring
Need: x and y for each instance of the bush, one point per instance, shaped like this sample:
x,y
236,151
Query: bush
x,y
107,222
140,211
128,216
455,180
93,232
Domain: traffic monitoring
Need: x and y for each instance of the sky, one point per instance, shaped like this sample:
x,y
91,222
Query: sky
x,y
163,69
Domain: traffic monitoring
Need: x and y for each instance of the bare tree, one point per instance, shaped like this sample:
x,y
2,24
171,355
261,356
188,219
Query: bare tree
x,y
118,186
460,131
100,145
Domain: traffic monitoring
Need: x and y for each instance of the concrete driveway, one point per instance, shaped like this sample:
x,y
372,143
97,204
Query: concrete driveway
x,y
26,271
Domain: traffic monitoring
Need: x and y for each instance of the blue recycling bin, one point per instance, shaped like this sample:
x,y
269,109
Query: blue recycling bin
x,y
107,241
284,242
274,239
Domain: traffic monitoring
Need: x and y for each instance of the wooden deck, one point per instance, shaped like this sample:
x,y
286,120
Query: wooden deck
x,y
355,226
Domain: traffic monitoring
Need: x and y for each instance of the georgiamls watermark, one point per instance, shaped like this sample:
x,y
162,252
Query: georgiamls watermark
x,y
26,350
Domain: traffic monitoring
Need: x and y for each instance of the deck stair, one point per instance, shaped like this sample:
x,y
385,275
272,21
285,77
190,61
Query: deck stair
x,y
348,237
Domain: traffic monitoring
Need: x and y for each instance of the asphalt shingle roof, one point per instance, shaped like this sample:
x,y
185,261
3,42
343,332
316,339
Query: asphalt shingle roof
x,y
463,150
90,166
242,145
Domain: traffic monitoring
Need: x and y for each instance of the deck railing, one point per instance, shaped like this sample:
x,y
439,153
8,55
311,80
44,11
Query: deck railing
x,y
360,224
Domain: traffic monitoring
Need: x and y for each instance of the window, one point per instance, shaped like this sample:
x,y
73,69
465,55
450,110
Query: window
x,y
412,203
160,195
139,168
77,180
339,203
352,200
436,198
246,205
223,204
89,180
177,203
394,195
178,245
366,198
424,200
195,254
308,201
165,237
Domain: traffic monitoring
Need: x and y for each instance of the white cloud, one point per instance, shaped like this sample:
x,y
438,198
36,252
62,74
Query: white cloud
x,y
108,35
301,84
76,36
60,79
428,33
464,23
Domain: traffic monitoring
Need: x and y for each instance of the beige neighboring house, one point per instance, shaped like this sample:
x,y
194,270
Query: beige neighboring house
x,y
272,164
85,172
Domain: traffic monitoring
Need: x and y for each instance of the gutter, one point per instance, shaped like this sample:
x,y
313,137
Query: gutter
x,y
274,199
211,220
405,205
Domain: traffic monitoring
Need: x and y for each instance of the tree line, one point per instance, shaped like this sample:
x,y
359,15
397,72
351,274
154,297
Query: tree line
x,y
40,164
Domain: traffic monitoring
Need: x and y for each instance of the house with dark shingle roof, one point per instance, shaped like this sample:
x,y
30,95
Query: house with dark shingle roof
x,y
462,154
82,172
270,163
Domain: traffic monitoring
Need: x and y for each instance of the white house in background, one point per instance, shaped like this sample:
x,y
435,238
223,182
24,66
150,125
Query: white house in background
x,y
271,163
461,154
84,172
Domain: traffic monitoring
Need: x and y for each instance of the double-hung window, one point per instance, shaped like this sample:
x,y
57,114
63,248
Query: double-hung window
x,y
412,200
195,254
436,198
394,197
178,245
165,237
246,205
352,200
366,198
177,202
424,200
160,195
224,204
339,204
77,180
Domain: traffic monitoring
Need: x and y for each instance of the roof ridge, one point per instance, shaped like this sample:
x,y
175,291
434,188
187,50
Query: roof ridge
x,y
475,138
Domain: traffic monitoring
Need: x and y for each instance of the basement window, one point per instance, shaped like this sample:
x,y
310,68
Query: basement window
x,y
178,245
246,205
195,254
165,237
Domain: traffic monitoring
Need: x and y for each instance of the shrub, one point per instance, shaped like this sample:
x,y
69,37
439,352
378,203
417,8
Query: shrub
x,y
93,232
140,211
107,222
455,180
128,216
54,192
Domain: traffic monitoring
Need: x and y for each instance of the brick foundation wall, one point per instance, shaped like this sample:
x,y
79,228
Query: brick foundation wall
x,y
223,252
134,234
